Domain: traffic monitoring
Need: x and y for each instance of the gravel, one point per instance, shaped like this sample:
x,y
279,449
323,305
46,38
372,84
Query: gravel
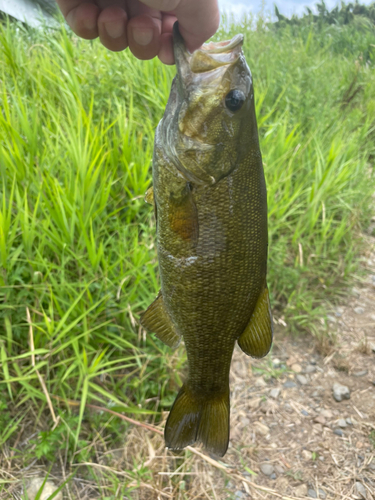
x,y
267,469
239,494
340,392
48,489
302,379
289,384
359,310
274,393
338,432
360,490
342,423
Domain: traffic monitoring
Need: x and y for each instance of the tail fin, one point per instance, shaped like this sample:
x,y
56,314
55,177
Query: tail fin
x,y
201,419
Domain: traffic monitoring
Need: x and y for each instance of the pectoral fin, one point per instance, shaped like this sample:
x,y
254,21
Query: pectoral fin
x,y
156,319
256,340
183,218
149,196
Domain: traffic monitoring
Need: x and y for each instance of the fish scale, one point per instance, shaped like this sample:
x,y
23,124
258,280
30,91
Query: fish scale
x,y
210,202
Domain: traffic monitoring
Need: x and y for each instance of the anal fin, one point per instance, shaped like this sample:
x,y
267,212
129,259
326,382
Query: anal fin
x,y
156,319
256,340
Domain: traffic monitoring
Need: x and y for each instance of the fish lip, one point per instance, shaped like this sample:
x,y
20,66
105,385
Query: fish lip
x,y
222,54
223,47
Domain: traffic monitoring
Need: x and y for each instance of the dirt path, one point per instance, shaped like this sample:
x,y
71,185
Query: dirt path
x,y
286,421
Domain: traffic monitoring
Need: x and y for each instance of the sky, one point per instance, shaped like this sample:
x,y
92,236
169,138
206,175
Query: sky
x,y
286,7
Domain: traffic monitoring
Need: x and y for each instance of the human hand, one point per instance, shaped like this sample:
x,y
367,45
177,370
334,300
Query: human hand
x,y
145,26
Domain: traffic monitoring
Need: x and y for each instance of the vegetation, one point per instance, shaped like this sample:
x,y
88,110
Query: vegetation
x,y
350,13
77,242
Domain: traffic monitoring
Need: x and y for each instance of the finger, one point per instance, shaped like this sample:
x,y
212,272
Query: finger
x,y
167,23
198,21
81,17
143,34
112,24
166,49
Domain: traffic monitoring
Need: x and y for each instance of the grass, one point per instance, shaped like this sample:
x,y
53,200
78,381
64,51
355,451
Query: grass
x,y
77,241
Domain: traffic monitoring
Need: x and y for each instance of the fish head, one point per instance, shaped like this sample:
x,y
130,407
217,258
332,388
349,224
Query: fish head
x,y
210,117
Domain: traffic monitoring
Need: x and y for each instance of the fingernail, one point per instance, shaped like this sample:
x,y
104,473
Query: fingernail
x,y
115,29
143,36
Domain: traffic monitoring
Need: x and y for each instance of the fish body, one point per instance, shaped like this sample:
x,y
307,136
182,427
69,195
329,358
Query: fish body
x,y
210,201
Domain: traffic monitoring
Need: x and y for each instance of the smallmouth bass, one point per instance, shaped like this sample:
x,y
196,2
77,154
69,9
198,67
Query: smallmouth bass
x,y
210,201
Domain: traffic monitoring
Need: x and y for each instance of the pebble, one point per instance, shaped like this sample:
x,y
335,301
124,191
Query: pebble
x,y
279,469
302,379
274,393
267,469
262,428
339,311
261,382
307,455
338,432
281,485
320,419
245,421
349,421
318,428
342,423
296,368
312,494
48,489
360,490
331,319
276,362
362,373
310,369
356,292
359,310
340,392
301,490
289,384
254,403
326,413
273,476
239,494
322,494
305,413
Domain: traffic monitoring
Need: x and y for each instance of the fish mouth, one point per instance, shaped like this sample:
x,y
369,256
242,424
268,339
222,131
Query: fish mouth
x,y
209,57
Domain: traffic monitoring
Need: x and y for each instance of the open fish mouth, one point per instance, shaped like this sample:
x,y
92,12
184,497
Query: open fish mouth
x,y
209,57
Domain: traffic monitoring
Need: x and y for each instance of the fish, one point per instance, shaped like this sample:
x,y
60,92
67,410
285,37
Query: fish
x,y
210,201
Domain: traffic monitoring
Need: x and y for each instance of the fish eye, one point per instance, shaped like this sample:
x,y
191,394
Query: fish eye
x,y
234,100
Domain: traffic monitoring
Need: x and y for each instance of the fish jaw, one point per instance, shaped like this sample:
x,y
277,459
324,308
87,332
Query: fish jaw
x,y
201,136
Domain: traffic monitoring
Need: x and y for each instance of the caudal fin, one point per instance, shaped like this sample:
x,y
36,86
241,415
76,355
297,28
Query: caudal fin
x,y
198,419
